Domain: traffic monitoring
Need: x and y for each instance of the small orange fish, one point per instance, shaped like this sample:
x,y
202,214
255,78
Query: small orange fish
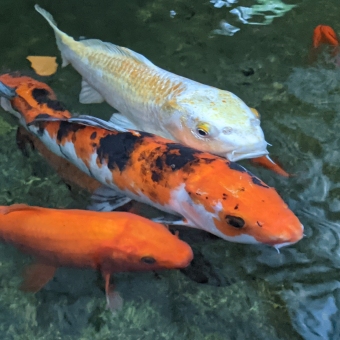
x,y
325,35
266,162
109,242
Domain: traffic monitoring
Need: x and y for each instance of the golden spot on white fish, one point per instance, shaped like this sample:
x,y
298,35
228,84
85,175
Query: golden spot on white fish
x,y
134,79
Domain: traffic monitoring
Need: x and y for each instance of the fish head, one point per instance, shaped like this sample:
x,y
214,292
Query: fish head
x,y
32,99
235,205
218,122
146,245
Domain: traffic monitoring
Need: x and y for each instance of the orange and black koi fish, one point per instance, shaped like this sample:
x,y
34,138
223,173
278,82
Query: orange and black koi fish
x,y
35,96
110,242
208,192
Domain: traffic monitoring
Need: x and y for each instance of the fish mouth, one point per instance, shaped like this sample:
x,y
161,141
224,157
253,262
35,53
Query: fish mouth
x,y
246,152
294,240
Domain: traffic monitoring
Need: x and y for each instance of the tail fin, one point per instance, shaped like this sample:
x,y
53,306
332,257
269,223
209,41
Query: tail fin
x,y
6,91
61,37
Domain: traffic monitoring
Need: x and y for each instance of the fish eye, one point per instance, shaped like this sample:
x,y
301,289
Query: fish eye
x,y
234,221
202,132
202,129
148,260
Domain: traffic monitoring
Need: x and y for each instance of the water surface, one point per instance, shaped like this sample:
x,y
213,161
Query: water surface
x,y
231,291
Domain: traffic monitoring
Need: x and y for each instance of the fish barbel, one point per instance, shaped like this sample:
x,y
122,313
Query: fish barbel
x,y
157,101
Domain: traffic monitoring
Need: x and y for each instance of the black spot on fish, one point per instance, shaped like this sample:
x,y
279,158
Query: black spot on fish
x,y
259,224
208,160
177,156
236,207
41,128
257,181
93,135
235,221
43,116
159,163
148,260
66,128
42,97
156,176
237,167
116,149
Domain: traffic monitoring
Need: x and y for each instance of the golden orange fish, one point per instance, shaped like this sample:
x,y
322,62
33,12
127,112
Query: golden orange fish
x,y
109,242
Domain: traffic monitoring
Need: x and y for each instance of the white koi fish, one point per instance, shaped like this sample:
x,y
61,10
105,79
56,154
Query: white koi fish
x,y
157,101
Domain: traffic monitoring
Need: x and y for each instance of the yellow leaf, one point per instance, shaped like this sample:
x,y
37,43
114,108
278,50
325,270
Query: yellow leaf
x,y
43,66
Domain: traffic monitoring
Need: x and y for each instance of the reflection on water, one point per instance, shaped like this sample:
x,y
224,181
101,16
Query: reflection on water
x,y
231,291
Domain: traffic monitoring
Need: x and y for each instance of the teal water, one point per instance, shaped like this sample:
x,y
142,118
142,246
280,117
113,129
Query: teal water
x,y
230,291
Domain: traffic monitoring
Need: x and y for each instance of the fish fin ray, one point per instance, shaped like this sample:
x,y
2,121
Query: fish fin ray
x,y
94,121
120,121
113,298
88,95
36,276
107,199
179,221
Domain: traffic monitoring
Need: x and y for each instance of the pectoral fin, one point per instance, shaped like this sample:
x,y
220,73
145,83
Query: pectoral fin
x,y
88,95
119,121
107,199
175,221
36,276
113,299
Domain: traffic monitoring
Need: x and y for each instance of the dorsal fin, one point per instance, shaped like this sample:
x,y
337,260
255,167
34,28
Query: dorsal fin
x,y
4,210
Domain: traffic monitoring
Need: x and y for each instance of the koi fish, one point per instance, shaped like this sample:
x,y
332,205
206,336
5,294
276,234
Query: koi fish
x,y
325,35
157,101
205,191
27,94
110,242
66,170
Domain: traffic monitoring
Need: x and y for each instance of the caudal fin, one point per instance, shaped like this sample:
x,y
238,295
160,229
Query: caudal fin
x,y
62,38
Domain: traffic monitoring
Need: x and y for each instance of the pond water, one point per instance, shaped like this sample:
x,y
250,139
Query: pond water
x,y
231,291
